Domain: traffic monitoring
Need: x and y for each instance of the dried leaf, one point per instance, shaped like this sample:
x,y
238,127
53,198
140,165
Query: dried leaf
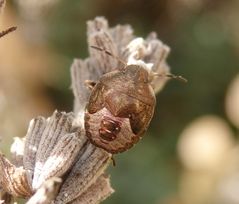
x,y
2,5
91,164
121,35
33,138
57,126
80,72
99,36
17,151
5,197
47,192
96,193
13,179
61,158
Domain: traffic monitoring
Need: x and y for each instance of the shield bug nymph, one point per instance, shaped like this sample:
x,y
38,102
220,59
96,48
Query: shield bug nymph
x,y
120,108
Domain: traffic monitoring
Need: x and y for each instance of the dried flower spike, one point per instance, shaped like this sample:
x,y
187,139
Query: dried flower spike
x,y
57,163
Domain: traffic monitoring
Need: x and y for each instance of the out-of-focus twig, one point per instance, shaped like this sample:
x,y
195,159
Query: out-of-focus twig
x,y
9,30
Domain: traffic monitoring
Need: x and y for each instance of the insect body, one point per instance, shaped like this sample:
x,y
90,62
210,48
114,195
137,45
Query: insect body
x,y
120,109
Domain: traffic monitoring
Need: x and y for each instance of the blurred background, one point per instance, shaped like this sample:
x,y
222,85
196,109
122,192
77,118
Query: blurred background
x,y
190,153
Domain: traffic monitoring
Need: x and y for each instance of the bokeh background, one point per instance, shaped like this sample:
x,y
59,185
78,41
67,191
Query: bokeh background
x,y
190,154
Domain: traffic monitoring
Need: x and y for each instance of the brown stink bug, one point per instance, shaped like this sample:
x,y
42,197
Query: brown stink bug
x,y
120,108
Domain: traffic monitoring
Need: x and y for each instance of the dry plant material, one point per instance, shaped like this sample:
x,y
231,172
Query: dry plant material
x,y
9,30
47,192
55,162
13,179
2,5
53,148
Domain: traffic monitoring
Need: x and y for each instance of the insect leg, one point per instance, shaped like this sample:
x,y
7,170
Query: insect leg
x,y
90,84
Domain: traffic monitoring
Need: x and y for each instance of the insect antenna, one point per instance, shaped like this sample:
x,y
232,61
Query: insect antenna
x,y
9,30
109,53
172,76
